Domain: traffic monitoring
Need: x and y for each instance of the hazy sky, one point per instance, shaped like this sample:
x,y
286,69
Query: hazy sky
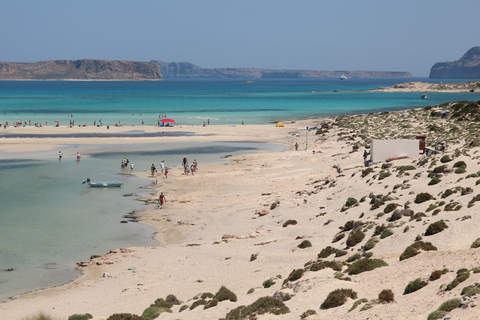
x,y
382,35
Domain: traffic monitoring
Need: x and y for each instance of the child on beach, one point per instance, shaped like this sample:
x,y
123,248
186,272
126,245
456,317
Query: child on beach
x,y
166,172
153,169
161,200
78,156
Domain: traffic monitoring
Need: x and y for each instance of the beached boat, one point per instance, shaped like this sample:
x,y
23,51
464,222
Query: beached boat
x,y
343,77
103,184
424,96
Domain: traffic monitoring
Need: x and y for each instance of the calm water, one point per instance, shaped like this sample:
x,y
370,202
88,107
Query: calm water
x,y
50,221
226,101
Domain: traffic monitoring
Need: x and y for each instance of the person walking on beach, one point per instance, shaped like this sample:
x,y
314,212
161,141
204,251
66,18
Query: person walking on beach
x,y
153,169
161,200
166,172
78,156
296,146
195,164
60,155
162,166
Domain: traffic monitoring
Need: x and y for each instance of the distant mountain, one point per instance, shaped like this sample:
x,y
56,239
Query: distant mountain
x,y
190,70
468,67
86,69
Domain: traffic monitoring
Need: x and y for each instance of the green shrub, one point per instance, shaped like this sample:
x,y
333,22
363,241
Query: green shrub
x,y
471,290
439,169
406,168
435,275
386,296
225,294
447,193
390,207
169,301
372,242
338,237
386,233
377,204
414,285
197,303
460,164
449,305
337,298
355,238
446,158
154,312
355,257
350,202
125,316
383,174
414,249
274,205
435,228
326,252
356,303
434,181
307,313
210,304
452,285
379,229
183,308
460,170
475,243
206,295
268,283
85,316
422,197
365,264
250,291
437,314
261,306
39,316
295,274
290,222
305,244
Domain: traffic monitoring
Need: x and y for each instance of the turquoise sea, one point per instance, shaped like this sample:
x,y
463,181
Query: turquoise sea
x,y
50,221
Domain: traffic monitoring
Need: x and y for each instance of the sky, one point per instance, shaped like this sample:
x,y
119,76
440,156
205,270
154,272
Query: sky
x,y
377,35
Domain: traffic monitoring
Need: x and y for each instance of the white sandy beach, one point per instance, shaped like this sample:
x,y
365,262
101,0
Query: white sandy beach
x,y
214,221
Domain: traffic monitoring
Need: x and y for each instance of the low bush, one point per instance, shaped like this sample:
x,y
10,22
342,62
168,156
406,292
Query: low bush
x,y
338,237
125,316
449,305
326,252
355,257
377,204
378,230
350,202
460,164
356,303
366,264
437,314
447,193
435,228
337,298
435,275
422,197
475,243
414,249
289,222
210,304
460,170
183,308
39,316
268,283
371,243
261,306
304,244
308,313
470,290
434,181
396,215
386,233
439,169
85,316
414,285
154,312
225,294
355,238
295,274
386,296
168,302
390,207
446,158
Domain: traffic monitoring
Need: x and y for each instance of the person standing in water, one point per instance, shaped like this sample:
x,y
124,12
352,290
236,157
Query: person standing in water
x,y
60,155
78,156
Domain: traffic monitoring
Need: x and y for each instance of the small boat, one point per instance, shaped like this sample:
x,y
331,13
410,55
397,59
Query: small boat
x,y
103,184
424,96
343,77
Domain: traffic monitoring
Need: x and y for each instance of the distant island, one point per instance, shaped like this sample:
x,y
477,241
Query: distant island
x,y
468,67
85,69
190,70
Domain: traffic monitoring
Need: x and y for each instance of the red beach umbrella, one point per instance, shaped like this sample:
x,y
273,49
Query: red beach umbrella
x,y
167,120
57,120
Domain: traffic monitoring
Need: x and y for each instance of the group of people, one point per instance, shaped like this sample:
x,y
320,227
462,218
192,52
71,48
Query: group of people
x,y
163,169
125,163
189,169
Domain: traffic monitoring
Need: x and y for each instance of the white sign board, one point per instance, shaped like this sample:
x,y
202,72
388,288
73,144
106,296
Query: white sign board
x,y
381,150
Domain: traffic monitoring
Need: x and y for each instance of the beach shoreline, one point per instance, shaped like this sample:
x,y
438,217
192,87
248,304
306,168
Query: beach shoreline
x,y
219,227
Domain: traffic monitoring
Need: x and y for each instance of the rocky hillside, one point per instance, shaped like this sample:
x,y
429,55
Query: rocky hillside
x,y
190,70
85,69
468,67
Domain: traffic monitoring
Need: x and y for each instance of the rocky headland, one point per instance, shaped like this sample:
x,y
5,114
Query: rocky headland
x,y
468,67
85,69
190,70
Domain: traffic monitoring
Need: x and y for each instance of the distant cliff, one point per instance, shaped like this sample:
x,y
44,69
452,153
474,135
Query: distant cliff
x,y
468,67
86,69
190,70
